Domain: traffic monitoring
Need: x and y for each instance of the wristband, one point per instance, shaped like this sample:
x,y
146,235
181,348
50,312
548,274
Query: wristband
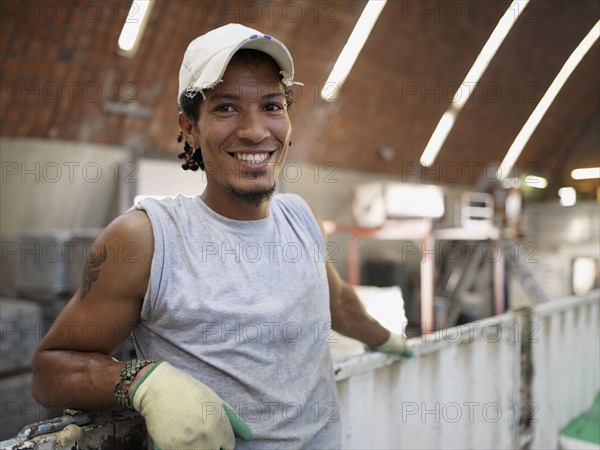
x,y
126,377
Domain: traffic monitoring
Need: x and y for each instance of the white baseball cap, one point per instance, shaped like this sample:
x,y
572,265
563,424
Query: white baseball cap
x,y
207,56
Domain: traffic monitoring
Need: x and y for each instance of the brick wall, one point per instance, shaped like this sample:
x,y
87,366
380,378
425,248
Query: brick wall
x,y
63,79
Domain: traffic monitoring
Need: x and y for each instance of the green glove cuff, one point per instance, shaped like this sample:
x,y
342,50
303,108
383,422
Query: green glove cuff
x,y
146,375
240,428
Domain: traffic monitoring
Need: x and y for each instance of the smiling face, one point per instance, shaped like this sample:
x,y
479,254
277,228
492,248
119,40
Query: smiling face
x,y
243,131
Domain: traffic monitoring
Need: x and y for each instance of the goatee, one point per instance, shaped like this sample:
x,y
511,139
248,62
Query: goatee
x,y
254,198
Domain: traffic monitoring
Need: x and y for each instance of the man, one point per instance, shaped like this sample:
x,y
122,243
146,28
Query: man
x,y
230,298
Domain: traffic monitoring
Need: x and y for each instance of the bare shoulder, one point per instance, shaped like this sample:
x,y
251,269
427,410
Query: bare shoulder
x,y
124,250
129,237
133,225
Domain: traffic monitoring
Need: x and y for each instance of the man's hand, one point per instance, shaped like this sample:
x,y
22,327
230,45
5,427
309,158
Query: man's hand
x,y
395,344
183,413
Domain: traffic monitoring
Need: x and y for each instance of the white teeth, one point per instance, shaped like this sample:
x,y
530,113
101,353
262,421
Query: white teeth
x,y
253,158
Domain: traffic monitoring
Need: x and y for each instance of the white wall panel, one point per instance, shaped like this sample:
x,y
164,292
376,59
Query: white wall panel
x,y
388,402
566,362
455,393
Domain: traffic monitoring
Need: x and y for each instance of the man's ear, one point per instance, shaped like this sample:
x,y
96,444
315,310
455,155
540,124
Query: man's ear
x,y
188,128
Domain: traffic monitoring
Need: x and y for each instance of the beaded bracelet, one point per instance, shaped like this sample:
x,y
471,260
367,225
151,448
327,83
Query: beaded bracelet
x,y
126,377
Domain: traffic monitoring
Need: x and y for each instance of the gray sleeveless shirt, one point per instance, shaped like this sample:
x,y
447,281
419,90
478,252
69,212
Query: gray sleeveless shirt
x,y
243,306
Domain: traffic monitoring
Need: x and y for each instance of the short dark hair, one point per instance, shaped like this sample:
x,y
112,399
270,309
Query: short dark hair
x,y
190,105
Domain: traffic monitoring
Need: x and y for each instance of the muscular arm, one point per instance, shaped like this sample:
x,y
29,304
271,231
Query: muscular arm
x,y
72,367
348,316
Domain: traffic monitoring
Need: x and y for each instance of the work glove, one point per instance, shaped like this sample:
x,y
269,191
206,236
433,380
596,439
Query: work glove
x,y
183,413
396,344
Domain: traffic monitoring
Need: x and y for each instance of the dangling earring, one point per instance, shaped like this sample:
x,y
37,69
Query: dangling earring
x,y
188,153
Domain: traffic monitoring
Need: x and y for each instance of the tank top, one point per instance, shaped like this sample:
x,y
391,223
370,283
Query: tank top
x,y
243,306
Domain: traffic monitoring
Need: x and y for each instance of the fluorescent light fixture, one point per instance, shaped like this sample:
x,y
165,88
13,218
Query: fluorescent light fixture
x,y
540,110
438,137
536,182
568,196
134,26
470,82
586,174
355,43
488,51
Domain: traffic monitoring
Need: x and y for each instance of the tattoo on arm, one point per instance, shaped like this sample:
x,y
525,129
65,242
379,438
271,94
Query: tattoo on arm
x,y
91,270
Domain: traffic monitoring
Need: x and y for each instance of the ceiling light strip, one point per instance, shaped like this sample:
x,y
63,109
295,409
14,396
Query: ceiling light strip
x,y
134,26
540,110
587,173
355,43
467,87
536,182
